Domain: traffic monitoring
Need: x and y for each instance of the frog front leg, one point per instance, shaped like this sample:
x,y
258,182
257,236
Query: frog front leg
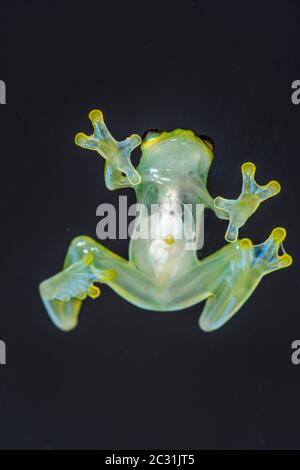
x,y
119,171
243,266
237,211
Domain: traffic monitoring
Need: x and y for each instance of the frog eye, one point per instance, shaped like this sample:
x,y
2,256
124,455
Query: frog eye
x,y
207,141
151,134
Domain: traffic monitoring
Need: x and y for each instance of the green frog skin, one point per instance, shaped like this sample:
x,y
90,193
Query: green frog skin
x,y
162,274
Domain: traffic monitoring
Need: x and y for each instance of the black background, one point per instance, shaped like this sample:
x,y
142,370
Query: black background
x,y
128,378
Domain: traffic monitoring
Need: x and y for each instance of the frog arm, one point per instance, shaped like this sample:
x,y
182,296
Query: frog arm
x,y
247,265
237,211
119,171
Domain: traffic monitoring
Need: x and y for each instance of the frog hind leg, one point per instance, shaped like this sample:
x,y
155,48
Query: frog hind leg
x,y
88,262
247,266
221,306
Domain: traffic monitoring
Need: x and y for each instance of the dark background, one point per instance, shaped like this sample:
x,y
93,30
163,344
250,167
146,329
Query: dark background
x,y
128,378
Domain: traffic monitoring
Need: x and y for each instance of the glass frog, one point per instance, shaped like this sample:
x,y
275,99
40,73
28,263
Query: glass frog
x,y
161,273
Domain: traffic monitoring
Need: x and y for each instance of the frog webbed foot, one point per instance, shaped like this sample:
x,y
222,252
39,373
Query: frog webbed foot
x,y
240,209
119,171
74,281
266,255
63,293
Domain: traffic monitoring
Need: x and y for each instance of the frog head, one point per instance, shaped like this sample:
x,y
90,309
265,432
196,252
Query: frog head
x,y
180,153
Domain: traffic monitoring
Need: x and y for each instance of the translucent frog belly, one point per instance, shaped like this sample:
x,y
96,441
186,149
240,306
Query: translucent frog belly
x,y
163,254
